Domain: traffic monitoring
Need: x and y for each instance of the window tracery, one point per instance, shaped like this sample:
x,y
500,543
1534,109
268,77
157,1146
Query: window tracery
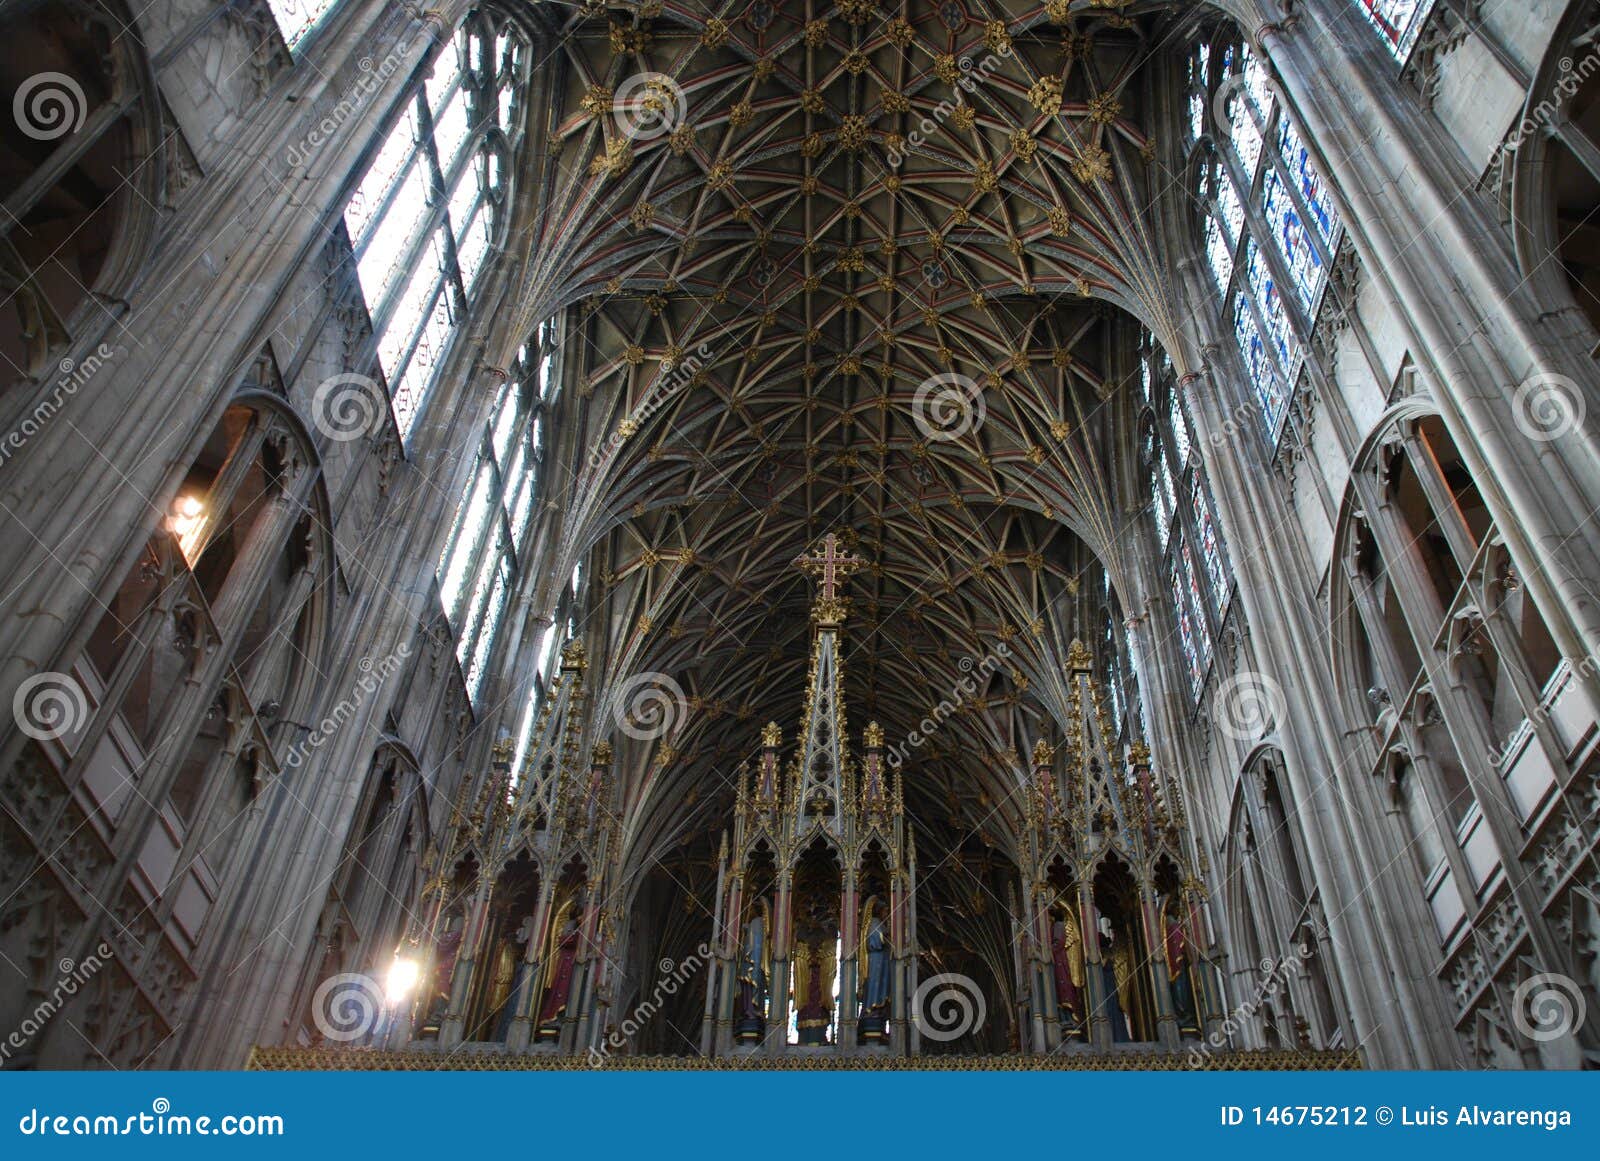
x,y
1268,216
423,216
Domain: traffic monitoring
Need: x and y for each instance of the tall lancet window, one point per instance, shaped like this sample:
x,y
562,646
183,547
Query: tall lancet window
x,y
1399,22
423,216
1269,227
1186,532
488,546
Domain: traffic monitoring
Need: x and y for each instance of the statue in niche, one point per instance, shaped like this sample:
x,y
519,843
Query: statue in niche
x,y
755,973
1180,965
1116,974
1066,958
513,1002
505,970
560,958
444,970
874,958
815,958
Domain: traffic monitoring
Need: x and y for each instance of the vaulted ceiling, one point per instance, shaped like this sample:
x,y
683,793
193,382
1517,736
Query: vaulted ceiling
x,y
863,269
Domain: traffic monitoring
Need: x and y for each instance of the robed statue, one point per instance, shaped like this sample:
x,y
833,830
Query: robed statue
x,y
755,967
1180,963
1066,959
874,959
1116,977
559,961
813,991
444,971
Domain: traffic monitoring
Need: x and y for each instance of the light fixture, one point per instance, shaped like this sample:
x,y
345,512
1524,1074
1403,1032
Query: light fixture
x,y
188,516
403,973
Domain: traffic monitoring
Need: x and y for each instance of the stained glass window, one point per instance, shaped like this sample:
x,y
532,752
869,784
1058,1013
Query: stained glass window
x,y
1283,219
1263,374
1219,255
1183,519
1288,204
1298,160
1186,632
1162,492
1265,288
423,215
1180,428
1398,22
1199,71
1210,543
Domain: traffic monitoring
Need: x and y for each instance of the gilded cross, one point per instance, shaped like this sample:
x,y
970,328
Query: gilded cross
x,y
831,563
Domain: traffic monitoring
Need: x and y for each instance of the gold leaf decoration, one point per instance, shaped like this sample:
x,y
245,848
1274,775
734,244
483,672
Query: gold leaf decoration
x,y
1045,95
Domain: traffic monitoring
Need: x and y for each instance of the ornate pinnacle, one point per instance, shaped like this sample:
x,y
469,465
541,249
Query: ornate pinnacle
x,y
1138,754
1043,753
873,736
771,735
503,750
574,656
1078,657
601,754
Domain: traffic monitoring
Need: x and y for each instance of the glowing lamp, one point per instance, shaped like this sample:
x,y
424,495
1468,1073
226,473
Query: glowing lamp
x,y
402,979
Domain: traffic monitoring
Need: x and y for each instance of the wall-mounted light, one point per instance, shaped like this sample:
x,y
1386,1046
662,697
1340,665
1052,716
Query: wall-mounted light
x,y
186,523
403,973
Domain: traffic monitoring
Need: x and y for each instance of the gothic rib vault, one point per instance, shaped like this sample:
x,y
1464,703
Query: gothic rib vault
x,y
776,242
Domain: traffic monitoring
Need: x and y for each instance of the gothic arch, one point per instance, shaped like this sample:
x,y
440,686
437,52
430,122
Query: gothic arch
x,y
1552,178
91,121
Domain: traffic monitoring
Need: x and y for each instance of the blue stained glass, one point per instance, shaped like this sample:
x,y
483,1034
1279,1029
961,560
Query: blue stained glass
x,y
1305,266
1265,289
1318,201
1263,377
1246,135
